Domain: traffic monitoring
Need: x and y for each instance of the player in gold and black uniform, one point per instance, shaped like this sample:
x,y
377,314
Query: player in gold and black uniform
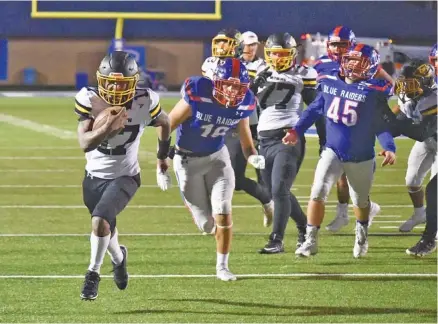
x,y
112,172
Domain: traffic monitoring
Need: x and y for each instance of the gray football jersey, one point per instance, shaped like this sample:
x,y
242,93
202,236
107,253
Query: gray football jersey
x,y
280,97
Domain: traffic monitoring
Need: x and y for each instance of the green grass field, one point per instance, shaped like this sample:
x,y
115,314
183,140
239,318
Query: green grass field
x,y
171,263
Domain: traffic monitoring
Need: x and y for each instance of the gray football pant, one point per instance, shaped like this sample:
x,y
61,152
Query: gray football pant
x,y
282,165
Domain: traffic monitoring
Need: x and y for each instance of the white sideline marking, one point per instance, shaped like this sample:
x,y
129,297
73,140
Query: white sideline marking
x,y
121,234
37,127
81,170
389,221
152,206
416,227
249,275
42,157
381,216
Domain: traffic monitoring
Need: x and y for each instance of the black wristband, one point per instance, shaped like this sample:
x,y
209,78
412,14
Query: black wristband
x,y
163,149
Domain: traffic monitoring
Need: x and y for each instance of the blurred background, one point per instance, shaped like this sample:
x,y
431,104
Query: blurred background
x,y
57,45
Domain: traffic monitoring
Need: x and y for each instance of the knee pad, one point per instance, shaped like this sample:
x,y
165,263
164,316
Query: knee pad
x,y
360,202
320,191
413,180
221,207
208,226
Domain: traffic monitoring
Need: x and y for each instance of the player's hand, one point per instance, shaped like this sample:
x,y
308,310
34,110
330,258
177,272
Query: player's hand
x,y
163,177
389,157
116,122
262,77
257,161
291,137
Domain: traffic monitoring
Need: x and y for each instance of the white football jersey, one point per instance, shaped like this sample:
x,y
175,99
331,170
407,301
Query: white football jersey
x,y
280,97
209,66
254,66
118,156
425,106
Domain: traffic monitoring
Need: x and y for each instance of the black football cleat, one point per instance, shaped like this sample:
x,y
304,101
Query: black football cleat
x,y
120,271
272,247
422,248
91,286
301,236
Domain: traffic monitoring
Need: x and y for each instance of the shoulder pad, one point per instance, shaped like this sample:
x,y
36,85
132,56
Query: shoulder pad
x,y
83,104
155,106
197,89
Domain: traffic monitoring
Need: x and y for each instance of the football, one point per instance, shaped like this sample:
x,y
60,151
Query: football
x,y
101,118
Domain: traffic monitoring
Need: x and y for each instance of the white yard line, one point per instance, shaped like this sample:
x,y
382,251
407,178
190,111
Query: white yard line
x,y
37,127
250,275
152,206
396,227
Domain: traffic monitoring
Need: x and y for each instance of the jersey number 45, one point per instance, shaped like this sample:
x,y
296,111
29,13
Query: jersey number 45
x,y
348,115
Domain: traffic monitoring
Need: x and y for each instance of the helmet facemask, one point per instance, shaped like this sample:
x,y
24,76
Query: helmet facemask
x,y
116,89
229,93
280,59
223,46
355,68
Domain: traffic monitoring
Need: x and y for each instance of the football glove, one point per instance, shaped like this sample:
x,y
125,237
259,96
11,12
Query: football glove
x,y
163,179
257,161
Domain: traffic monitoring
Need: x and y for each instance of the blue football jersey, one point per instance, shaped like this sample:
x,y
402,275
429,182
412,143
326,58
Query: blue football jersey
x,y
204,132
325,65
354,116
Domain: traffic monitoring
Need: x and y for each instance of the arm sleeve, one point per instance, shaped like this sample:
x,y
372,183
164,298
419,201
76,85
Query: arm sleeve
x,y
311,114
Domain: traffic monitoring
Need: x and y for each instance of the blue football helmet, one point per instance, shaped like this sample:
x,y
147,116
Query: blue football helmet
x,y
340,39
360,62
230,82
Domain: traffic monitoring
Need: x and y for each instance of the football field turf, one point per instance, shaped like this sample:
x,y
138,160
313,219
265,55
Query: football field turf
x,y
44,244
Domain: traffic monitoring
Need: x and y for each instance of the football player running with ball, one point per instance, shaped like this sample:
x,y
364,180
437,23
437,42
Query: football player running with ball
x,y
355,106
208,110
112,172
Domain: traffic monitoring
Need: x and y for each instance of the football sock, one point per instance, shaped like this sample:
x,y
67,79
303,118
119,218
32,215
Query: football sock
x,y
99,246
222,260
114,249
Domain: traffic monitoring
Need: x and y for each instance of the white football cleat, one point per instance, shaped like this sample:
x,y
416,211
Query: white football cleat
x,y
225,275
413,221
374,210
360,248
268,211
310,245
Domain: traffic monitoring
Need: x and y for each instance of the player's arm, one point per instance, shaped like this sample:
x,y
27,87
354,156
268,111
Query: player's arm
x,y
309,116
88,138
309,94
248,149
383,131
160,120
246,141
183,109
382,74
179,114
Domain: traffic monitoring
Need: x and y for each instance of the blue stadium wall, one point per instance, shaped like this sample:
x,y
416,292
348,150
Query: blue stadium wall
x,y
397,20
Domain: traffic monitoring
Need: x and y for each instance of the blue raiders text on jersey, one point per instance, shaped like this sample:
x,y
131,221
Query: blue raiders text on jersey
x,y
354,116
280,98
204,132
118,156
